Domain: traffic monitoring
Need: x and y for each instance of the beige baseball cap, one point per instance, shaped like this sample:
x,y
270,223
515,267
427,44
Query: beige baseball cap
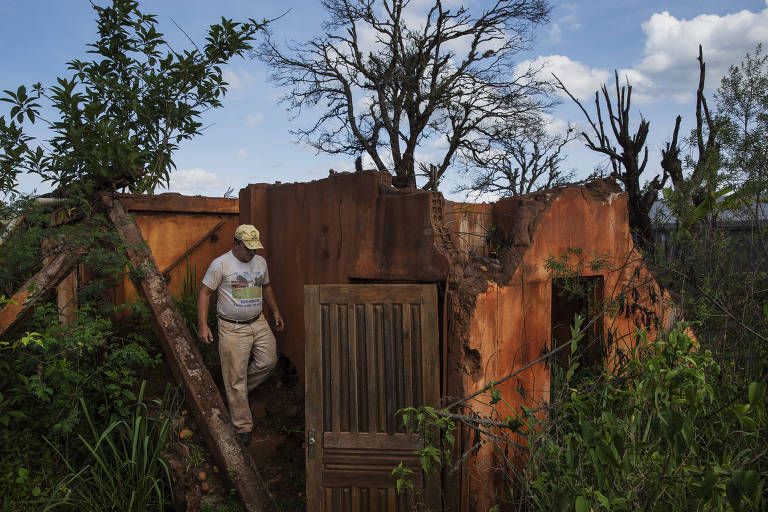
x,y
249,235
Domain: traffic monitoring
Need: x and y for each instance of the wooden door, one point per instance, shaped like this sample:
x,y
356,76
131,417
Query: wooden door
x,y
370,350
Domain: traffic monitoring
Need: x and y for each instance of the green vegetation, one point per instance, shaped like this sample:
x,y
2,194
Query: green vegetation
x,y
667,431
76,432
123,114
124,468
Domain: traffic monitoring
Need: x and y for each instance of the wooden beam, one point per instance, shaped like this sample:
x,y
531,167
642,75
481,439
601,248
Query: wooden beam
x,y
173,202
194,246
37,286
206,404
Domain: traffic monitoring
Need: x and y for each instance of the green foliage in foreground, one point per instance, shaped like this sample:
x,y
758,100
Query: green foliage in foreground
x,y
668,431
48,370
124,469
47,376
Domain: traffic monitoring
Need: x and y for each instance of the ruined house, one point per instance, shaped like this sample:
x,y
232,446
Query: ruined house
x,y
396,298
500,273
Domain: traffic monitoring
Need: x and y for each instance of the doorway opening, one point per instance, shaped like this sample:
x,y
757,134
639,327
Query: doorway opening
x,y
573,296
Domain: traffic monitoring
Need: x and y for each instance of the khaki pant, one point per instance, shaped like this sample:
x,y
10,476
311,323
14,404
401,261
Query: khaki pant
x,y
239,343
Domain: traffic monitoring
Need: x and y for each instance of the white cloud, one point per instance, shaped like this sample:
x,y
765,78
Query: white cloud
x,y
439,143
237,80
671,47
555,126
581,80
571,22
195,181
668,69
254,119
363,103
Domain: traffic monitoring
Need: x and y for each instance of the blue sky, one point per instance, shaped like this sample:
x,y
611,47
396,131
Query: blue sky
x,y
248,140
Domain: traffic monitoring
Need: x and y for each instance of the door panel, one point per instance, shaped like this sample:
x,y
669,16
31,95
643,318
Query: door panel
x,y
370,350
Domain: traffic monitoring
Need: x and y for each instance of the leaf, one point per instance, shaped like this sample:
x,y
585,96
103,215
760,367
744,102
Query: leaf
x,y
514,423
495,396
757,395
673,423
750,485
581,504
603,500
707,486
733,494
605,454
618,442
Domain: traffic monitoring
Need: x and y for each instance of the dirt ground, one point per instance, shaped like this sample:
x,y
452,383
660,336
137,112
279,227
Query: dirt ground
x,y
276,446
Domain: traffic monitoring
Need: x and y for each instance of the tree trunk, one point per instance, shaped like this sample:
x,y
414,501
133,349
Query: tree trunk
x,y
38,286
183,357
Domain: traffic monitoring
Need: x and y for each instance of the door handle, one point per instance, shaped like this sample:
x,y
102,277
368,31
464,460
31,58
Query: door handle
x,y
311,444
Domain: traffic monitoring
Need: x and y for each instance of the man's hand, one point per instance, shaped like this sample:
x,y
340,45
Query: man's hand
x,y
279,324
269,298
206,336
203,300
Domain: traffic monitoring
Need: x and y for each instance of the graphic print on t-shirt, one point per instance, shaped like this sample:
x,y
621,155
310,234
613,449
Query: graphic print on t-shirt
x,y
246,288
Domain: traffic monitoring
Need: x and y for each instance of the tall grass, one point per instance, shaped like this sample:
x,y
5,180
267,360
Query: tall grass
x,y
125,470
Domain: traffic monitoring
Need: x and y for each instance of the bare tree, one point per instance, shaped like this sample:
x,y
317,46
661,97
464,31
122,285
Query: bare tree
x,y
387,86
627,153
520,163
697,187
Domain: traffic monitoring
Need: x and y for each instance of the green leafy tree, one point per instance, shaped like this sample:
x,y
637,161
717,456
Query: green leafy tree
x,y
666,431
121,115
743,104
716,254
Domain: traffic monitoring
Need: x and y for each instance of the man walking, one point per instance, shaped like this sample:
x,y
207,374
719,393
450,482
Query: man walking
x,y
242,279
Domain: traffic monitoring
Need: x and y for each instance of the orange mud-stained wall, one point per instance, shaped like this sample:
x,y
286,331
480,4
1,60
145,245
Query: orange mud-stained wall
x,y
180,230
510,325
347,228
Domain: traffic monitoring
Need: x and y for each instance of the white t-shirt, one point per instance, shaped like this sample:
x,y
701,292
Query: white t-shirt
x,y
239,285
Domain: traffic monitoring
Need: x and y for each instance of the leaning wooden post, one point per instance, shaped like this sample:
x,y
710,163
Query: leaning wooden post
x,y
185,361
38,286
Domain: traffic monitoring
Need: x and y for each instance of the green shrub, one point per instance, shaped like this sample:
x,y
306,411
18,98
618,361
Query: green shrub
x,y
45,376
669,431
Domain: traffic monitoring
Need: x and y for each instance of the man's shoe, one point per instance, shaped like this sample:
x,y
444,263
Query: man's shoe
x,y
245,437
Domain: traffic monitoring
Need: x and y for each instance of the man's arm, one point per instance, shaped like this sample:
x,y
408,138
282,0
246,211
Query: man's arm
x,y
269,298
203,302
